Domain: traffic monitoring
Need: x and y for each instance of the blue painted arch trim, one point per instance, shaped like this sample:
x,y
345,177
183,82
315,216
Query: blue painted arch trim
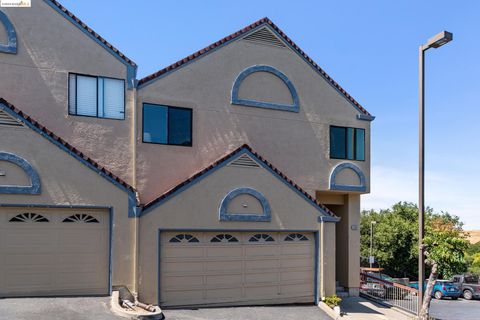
x,y
11,46
32,174
264,216
362,187
294,107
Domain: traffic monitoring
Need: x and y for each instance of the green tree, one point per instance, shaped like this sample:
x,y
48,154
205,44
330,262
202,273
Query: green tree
x,y
395,238
474,248
396,244
472,258
445,245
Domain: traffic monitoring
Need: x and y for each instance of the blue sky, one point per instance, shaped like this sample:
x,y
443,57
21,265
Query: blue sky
x,y
371,49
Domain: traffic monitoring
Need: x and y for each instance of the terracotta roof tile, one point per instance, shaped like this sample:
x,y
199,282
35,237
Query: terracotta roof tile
x,y
238,34
77,152
92,32
226,158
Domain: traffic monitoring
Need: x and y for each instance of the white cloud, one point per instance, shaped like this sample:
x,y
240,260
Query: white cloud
x,y
456,194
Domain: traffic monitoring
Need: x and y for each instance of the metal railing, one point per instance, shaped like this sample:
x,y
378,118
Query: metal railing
x,y
389,293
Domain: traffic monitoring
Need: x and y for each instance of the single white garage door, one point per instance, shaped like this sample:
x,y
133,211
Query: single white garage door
x,y
49,252
236,268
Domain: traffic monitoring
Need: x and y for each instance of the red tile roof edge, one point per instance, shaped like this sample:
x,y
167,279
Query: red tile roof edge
x,y
92,32
66,144
238,34
226,158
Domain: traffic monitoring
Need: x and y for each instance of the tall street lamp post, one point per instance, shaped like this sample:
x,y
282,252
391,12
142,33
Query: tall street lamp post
x,y
434,42
371,243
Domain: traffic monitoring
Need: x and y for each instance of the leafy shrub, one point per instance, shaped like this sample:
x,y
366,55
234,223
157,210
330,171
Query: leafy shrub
x,y
333,301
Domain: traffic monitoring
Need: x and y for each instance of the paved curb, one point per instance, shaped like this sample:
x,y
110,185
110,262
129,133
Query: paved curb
x,y
328,310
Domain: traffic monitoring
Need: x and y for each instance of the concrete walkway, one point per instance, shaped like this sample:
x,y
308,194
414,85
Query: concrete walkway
x,y
356,308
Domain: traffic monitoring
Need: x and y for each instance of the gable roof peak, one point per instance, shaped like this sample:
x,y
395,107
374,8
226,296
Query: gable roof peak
x,y
74,19
327,214
36,126
363,113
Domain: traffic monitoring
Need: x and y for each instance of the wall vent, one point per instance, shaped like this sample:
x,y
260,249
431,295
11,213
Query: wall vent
x,y
266,37
7,120
244,161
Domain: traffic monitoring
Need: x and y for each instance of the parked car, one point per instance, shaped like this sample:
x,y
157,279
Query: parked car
x,y
469,285
442,289
384,287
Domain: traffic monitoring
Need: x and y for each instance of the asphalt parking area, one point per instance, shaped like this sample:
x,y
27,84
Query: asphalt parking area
x,y
76,308
447,309
98,308
304,312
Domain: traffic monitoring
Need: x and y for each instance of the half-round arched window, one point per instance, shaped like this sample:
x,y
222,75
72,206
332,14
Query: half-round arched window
x,y
11,45
184,238
82,218
224,238
261,237
33,187
264,215
296,237
28,217
347,167
292,105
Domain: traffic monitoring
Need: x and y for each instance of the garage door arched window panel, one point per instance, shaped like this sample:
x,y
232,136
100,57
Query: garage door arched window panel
x,y
224,238
261,237
225,215
296,237
29,217
81,218
184,238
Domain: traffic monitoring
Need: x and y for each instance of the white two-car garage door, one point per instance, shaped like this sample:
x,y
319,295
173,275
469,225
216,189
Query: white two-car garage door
x,y
235,268
49,252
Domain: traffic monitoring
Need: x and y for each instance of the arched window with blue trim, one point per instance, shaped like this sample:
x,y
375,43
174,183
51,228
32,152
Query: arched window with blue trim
x,y
11,45
225,215
237,100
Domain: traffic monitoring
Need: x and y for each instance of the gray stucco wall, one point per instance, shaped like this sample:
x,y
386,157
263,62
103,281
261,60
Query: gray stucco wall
x,y
49,47
296,143
197,208
66,181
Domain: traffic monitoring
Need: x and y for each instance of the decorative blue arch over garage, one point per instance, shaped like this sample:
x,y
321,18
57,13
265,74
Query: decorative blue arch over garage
x,y
33,188
263,216
362,187
294,107
11,45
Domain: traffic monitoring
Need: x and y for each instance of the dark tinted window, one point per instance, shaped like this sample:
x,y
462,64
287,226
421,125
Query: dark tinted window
x,y
347,143
360,144
180,126
167,125
155,123
338,147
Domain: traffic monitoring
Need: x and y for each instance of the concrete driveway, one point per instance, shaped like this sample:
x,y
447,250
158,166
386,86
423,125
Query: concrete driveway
x,y
301,312
97,308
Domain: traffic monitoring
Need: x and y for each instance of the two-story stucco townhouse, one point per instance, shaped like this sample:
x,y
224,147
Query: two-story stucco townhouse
x,y
231,177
